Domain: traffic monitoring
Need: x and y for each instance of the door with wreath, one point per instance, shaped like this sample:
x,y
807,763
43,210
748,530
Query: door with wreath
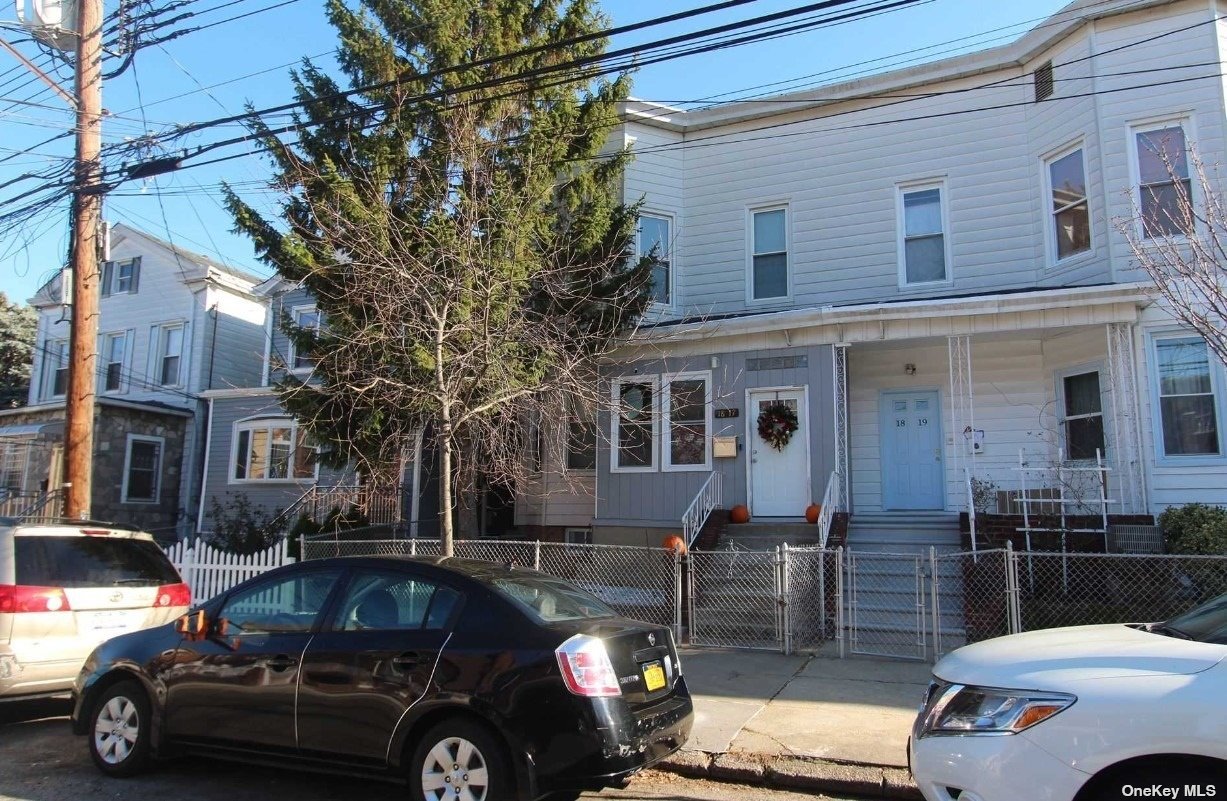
x,y
779,453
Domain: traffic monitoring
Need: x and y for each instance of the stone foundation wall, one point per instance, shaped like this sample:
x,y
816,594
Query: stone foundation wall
x,y
112,425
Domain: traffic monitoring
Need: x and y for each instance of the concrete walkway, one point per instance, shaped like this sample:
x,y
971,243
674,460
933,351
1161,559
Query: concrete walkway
x,y
811,721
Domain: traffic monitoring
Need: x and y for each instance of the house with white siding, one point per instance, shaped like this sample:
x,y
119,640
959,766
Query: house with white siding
x,y
172,325
924,267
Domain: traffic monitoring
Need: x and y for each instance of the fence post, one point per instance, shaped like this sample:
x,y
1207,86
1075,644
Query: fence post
x,y
187,569
822,593
536,554
1013,610
785,615
413,547
839,601
677,595
286,559
935,589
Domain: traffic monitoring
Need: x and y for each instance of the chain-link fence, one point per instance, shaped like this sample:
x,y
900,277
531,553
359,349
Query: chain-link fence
x,y
813,591
736,599
970,598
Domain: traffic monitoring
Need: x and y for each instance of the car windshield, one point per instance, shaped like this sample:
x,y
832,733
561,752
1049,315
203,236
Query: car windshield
x,y
76,562
1205,623
551,600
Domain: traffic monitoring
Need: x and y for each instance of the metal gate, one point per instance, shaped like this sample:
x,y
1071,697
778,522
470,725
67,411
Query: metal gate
x,y
886,599
736,599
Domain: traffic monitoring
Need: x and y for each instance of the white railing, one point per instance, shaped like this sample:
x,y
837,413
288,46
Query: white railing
x,y
971,508
208,570
701,508
830,505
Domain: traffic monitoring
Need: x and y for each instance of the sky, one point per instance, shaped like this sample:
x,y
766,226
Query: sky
x,y
214,72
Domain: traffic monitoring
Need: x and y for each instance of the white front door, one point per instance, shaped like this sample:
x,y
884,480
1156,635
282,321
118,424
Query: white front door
x,y
779,479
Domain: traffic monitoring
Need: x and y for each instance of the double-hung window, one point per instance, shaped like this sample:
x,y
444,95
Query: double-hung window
x,y
272,450
1165,191
922,228
142,469
307,318
57,367
635,426
1188,408
687,423
169,355
1082,420
1070,214
655,241
121,277
113,350
769,253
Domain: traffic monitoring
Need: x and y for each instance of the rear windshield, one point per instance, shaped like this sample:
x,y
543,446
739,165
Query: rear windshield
x,y
551,600
1205,623
91,562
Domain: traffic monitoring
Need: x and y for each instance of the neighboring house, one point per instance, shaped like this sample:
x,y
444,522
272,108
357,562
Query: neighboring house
x,y
923,265
172,325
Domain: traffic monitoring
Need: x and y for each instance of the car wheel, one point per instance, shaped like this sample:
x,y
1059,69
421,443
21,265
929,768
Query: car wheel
x,y
459,760
119,737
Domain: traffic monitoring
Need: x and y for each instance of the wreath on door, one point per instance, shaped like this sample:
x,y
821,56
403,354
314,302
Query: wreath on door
x,y
776,425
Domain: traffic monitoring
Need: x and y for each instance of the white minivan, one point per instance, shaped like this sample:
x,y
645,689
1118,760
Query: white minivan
x,y
66,587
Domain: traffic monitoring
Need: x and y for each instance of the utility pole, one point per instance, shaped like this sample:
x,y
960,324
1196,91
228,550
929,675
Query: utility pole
x,y
86,224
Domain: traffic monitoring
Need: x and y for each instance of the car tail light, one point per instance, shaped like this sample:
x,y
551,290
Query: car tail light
x,y
586,668
173,595
32,599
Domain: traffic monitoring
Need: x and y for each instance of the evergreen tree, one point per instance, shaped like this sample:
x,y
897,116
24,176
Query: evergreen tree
x,y
469,253
18,326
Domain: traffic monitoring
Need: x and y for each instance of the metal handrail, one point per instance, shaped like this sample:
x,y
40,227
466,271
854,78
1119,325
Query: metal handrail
x,y
704,503
830,505
971,508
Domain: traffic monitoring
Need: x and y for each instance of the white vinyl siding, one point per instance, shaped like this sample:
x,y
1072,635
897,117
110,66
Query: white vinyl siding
x,y
923,247
768,267
143,469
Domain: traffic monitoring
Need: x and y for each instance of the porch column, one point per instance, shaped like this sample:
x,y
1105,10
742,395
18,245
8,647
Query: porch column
x,y
1126,421
962,407
839,385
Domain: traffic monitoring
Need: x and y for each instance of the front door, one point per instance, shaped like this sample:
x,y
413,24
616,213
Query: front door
x,y
912,463
779,478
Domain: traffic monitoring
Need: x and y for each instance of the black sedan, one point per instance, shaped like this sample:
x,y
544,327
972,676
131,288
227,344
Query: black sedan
x,y
472,680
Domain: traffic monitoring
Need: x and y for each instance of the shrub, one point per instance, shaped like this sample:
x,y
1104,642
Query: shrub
x,y
242,528
1195,528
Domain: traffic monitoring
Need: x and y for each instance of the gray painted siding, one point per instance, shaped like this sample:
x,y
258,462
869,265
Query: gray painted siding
x,y
658,499
235,346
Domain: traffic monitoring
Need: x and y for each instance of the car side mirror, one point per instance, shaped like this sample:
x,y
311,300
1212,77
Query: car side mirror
x,y
193,625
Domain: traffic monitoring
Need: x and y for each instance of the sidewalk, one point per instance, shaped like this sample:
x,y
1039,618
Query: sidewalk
x,y
815,722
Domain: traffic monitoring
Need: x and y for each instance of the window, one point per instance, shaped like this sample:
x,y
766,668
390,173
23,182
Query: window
x,y
308,318
392,601
1083,415
273,450
142,469
1187,404
285,605
656,240
688,399
923,227
57,367
634,434
578,536
1071,217
114,346
581,440
121,278
769,254
1043,81
1162,177
170,354
14,455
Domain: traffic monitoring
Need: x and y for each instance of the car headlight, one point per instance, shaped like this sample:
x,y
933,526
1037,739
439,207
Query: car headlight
x,y
961,709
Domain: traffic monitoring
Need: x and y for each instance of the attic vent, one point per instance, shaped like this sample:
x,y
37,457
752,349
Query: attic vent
x,y
1043,81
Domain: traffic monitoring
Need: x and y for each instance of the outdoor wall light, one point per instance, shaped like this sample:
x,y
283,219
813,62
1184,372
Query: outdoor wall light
x,y
909,368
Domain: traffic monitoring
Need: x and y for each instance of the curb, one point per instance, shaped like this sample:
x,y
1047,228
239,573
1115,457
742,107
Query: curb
x,y
794,773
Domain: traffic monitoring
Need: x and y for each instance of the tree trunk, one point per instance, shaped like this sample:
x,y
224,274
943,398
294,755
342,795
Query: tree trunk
x,y
446,532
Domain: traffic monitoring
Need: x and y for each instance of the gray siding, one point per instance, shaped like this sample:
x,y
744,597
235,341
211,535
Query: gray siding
x,y
659,498
280,306
234,350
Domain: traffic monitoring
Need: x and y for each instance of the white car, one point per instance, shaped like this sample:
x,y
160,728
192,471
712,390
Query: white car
x,y
1087,713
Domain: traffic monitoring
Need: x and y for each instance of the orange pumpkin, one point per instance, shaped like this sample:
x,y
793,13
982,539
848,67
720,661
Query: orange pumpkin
x,y
739,514
674,543
812,511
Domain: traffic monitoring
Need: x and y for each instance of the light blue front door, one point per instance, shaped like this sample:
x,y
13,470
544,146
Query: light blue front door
x,y
912,463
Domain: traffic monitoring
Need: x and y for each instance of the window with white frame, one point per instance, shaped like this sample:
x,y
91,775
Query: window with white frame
x,y
1188,408
769,253
121,277
142,469
114,347
1070,212
1082,415
655,241
688,403
1161,174
272,449
307,318
14,459
922,228
169,354
634,424
56,372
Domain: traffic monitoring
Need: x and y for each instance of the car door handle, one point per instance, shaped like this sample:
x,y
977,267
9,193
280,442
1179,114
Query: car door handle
x,y
407,661
281,662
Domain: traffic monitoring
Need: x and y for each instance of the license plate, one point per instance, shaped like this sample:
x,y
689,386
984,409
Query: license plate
x,y
111,623
654,676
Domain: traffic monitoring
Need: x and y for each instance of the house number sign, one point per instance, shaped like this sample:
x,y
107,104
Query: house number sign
x,y
722,414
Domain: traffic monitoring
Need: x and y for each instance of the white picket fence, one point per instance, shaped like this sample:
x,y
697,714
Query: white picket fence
x,y
208,570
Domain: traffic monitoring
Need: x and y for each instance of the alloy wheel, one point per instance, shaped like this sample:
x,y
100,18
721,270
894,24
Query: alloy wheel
x,y
116,729
455,769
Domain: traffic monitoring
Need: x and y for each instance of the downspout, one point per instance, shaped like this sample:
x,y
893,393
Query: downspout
x,y
212,347
204,475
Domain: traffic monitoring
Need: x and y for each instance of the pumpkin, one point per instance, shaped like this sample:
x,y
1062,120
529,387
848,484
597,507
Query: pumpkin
x,y
739,514
812,511
674,543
